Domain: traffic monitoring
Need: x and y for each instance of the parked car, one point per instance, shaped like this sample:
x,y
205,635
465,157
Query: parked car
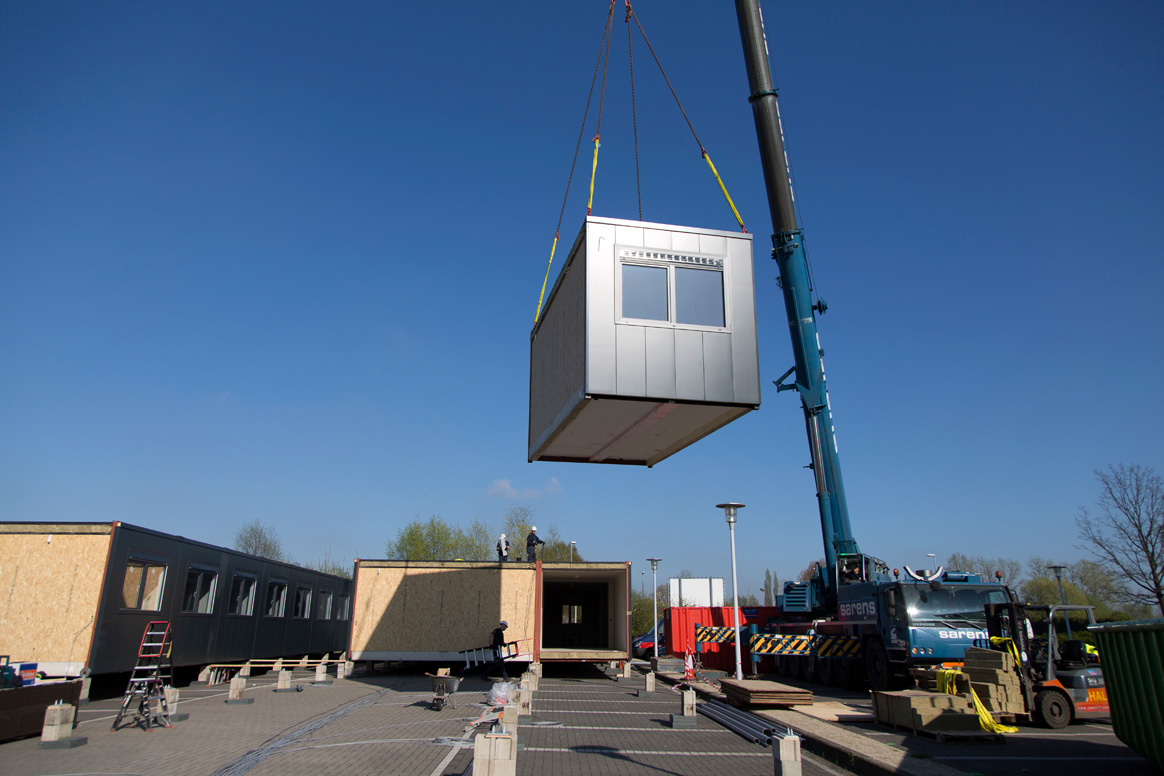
x,y
644,646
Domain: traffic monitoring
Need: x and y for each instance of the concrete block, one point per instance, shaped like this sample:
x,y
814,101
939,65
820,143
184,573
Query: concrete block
x,y
303,661
321,672
525,702
63,743
245,670
626,670
237,686
536,668
786,757
84,699
204,675
683,722
278,665
688,703
508,719
650,681
284,680
349,668
495,754
58,722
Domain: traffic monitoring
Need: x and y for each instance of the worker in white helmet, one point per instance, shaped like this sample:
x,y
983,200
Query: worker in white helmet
x,y
502,549
531,544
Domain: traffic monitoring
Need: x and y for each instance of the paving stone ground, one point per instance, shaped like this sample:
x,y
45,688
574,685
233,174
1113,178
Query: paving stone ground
x,y
384,724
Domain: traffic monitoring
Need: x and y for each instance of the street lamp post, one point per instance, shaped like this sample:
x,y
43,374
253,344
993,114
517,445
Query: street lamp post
x,y
729,513
1059,576
655,599
572,551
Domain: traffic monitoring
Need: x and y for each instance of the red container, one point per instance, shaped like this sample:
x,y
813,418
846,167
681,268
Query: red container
x,y
679,628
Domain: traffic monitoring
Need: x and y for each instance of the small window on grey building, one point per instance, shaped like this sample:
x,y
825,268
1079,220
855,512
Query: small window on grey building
x,y
302,602
199,594
323,608
142,587
242,595
699,296
343,607
276,598
644,292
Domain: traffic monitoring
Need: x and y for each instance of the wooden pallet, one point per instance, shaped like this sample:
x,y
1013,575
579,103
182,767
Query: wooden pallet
x,y
949,736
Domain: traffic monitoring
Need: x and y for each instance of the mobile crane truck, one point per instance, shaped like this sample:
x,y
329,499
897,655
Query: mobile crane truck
x,y
853,617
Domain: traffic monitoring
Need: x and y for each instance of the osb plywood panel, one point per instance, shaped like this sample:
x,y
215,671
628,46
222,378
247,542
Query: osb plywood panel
x,y
440,607
50,584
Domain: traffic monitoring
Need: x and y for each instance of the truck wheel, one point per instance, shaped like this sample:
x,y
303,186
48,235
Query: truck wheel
x,y
826,671
1052,709
847,673
877,666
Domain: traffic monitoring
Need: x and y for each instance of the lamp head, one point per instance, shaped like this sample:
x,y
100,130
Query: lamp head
x,y
729,510
654,563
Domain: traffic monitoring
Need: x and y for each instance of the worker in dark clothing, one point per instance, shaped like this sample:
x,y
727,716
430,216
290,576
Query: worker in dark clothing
x,y
502,549
531,544
498,645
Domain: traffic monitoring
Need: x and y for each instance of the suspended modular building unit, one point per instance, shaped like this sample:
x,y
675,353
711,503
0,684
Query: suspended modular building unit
x,y
81,594
435,610
646,343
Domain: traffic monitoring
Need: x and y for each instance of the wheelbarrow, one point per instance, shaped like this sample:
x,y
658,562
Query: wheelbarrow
x,y
444,688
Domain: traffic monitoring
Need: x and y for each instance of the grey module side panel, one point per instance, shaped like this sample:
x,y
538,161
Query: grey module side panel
x,y
558,359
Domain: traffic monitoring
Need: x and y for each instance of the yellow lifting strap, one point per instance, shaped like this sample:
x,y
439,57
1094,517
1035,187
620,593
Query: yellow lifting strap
x,y
947,683
1009,646
723,188
541,298
593,170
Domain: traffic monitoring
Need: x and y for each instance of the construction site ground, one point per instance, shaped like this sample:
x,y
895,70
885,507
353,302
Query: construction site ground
x,y
584,722
840,726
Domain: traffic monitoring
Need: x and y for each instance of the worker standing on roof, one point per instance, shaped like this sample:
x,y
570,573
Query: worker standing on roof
x,y
531,544
498,644
502,549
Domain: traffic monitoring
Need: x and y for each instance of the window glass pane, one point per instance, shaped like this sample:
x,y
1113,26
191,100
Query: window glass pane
x,y
131,588
342,613
242,595
142,588
323,611
151,593
644,292
276,599
302,602
199,593
699,297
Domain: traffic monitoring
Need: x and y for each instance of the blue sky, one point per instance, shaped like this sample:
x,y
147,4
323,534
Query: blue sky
x,y
280,261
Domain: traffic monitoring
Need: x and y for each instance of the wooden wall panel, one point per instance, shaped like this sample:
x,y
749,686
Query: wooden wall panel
x,y
50,585
439,607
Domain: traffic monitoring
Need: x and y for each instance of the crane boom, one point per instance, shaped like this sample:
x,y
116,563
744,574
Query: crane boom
x,y
789,254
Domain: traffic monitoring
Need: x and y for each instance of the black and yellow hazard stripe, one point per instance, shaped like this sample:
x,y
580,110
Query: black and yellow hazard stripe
x,y
712,635
821,646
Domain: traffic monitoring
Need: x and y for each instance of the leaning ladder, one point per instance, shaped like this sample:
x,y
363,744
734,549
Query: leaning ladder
x,y
148,681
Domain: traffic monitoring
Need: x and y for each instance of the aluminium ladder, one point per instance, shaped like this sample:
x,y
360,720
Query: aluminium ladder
x,y
149,679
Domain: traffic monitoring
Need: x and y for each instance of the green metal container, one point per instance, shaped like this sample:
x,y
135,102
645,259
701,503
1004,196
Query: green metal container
x,y
1132,657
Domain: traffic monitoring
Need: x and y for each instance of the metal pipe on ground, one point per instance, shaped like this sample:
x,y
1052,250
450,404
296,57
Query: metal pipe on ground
x,y
744,725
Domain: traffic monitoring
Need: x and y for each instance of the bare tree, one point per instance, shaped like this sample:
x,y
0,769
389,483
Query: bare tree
x,y
1127,533
259,539
1011,570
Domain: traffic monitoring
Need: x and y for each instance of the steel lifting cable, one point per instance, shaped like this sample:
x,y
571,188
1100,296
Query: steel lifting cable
x,y
702,150
634,112
585,114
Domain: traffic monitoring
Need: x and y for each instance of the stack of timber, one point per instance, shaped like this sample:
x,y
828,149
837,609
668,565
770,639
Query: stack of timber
x,y
757,692
995,681
925,713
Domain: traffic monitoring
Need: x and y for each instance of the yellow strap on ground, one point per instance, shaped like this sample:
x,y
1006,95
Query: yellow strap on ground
x,y
948,683
593,170
541,298
723,188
